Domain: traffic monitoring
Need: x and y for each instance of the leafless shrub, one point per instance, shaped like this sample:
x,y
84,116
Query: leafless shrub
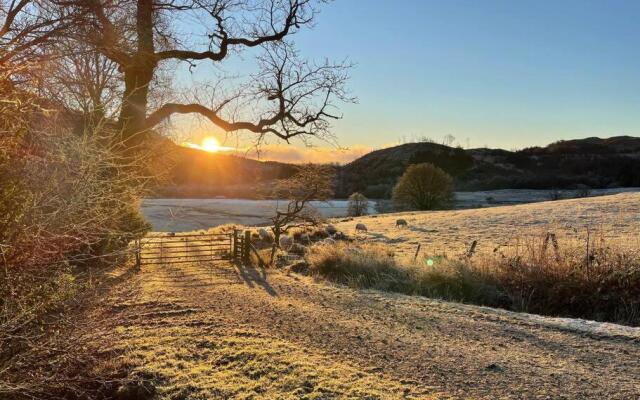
x,y
67,203
312,182
555,194
358,205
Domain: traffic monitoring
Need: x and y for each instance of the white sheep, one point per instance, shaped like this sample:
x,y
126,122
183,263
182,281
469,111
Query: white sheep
x,y
401,223
331,230
297,248
304,238
361,228
286,242
264,235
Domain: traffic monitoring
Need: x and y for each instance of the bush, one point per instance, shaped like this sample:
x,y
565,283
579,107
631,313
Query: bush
x,y
358,205
358,267
374,267
66,203
423,187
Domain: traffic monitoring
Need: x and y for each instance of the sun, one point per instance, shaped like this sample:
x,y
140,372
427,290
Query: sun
x,y
210,144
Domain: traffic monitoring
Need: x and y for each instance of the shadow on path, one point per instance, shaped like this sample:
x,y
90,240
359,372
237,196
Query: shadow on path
x,y
255,277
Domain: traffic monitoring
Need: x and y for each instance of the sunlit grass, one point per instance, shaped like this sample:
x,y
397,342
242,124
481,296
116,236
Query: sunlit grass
x,y
242,364
605,285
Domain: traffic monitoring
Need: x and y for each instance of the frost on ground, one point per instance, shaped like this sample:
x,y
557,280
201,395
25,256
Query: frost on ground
x,y
232,331
178,215
229,331
614,218
577,325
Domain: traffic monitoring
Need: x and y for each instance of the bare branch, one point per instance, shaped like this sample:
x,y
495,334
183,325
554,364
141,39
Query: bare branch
x,y
295,98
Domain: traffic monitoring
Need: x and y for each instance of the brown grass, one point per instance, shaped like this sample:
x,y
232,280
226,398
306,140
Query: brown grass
x,y
604,286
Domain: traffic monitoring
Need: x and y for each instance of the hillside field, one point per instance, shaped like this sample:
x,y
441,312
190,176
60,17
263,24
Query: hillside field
x,y
614,219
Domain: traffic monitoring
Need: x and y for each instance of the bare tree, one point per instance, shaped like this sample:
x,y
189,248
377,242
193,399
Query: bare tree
x,y
312,182
289,97
27,32
84,80
358,205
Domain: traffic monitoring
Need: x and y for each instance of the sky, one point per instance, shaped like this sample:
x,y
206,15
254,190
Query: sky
x,y
496,73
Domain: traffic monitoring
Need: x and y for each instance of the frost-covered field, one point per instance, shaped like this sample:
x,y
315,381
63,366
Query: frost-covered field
x,y
492,198
176,215
613,218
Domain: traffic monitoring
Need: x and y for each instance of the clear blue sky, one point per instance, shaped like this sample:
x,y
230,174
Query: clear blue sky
x,y
501,73
505,73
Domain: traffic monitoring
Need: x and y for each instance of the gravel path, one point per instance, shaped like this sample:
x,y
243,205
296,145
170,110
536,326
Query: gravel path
x,y
393,346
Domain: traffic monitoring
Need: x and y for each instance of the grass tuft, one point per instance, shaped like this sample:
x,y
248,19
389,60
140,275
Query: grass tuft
x,y
604,287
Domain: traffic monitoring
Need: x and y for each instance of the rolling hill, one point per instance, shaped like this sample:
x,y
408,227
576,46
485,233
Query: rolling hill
x,y
194,173
592,162
571,164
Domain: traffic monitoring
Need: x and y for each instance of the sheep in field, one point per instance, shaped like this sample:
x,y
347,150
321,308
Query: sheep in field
x,y
331,230
286,242
329,241
401,223
361,228
264,235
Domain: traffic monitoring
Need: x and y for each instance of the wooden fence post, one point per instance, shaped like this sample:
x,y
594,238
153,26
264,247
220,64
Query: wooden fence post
x,y
472,249
246,249
138,255
235,244
211,247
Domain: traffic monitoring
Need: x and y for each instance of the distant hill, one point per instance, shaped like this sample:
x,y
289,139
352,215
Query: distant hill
x,y
570,164
196,173
593,162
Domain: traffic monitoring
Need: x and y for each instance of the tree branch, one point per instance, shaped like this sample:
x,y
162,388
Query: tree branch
x,y
262,126
292,20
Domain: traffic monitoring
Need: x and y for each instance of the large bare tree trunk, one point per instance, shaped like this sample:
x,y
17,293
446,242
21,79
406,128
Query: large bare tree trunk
x,y
134,103
137,76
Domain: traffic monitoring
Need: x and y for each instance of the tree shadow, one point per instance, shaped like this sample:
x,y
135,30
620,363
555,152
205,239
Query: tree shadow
x,y
422,230
253,277
385,238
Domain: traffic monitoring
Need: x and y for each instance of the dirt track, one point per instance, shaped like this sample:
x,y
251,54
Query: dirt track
x,y
235,332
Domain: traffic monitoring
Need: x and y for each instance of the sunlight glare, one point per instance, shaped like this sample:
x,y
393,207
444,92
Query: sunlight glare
x,y
210,144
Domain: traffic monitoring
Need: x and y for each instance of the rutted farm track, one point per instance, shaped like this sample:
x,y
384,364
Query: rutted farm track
x,y
236,332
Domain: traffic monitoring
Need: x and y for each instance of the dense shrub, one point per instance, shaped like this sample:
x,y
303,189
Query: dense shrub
x,y
423,187
360,267
67,203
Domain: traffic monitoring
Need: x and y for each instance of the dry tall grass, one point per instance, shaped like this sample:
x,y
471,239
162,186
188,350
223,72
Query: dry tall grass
x,y
604,286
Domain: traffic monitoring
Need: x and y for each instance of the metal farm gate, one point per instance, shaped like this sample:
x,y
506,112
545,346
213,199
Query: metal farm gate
x,y
174,248
182,248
